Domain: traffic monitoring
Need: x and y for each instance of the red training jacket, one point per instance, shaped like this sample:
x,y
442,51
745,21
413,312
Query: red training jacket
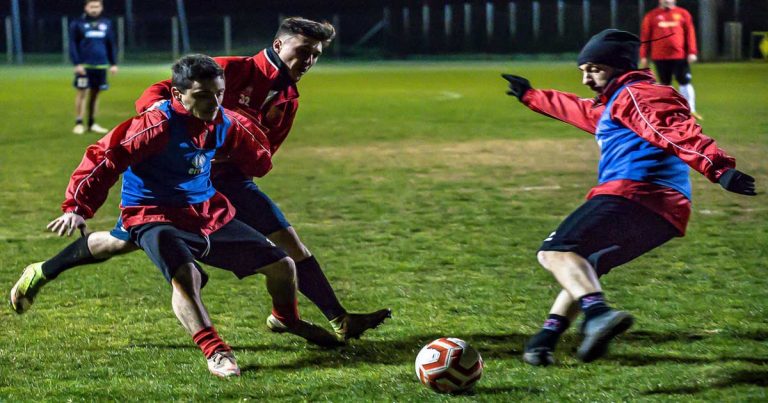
x,y
676,25
658,114
145,135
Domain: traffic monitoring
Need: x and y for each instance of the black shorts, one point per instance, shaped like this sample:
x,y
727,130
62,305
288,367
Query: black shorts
x,y
93,78
679,67
609,231
235,247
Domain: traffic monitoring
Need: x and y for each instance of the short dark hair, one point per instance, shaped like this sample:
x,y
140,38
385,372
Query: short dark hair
x,y
195,67
86,2
319,31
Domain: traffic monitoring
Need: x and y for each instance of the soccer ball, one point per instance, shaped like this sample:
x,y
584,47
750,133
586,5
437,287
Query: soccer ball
x,y
449,365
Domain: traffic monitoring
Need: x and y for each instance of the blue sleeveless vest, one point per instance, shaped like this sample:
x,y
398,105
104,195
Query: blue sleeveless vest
x,y
180,174
626,155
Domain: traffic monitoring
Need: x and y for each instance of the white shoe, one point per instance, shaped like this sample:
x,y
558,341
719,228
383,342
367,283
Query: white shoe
x,y
98,129
223,364
79,129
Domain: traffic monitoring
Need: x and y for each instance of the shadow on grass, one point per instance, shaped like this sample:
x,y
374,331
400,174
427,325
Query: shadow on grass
x,y
397,352
633,360
756,378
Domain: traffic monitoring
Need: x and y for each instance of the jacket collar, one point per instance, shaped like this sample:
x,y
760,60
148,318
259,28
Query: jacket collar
x,y
622,80
281,77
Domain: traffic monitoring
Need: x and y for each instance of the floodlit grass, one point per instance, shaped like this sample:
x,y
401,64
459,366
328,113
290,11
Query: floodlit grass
x,y
420,187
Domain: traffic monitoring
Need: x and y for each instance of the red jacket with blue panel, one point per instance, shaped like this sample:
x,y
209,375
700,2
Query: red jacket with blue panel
x,y
165,155
647,137
257,87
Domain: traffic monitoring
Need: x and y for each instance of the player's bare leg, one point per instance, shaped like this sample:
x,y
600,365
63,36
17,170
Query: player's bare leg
x,y
315,286
79,111
601,324
281,285
189,309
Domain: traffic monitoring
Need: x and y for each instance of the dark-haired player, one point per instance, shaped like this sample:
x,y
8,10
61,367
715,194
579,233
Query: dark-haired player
x,y
648,140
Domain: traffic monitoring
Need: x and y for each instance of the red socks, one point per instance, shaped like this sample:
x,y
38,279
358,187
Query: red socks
x,y
209,341
288,313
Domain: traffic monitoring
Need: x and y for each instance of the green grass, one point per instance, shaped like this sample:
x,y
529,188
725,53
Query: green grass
x,y
419,187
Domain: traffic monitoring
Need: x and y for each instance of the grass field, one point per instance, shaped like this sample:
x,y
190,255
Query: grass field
x,y
419,187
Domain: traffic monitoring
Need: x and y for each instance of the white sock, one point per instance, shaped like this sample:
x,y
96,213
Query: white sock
x,y
686,90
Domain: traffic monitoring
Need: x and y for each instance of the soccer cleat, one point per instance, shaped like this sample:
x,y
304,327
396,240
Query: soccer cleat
x,y
98,129
308,331
223,364
78,129
696,115
539,356
24,291
353,325
599,331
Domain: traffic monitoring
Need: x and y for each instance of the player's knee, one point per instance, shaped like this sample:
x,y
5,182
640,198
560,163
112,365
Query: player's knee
x,y
284,270
102,245
548,258
186,279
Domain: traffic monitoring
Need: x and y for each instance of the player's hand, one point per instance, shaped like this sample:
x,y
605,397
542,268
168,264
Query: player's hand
x,y
79,70
67,223
736,181
113,69
518,86
692,58
643,64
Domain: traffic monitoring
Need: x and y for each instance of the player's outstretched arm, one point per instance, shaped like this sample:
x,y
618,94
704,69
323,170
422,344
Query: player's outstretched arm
x,y
568,108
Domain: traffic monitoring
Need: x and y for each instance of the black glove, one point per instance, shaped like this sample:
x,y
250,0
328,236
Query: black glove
x,y
736,181
518,86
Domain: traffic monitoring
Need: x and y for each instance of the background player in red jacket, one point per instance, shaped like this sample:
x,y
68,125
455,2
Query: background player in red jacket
x,y
648,140
668,34
262,88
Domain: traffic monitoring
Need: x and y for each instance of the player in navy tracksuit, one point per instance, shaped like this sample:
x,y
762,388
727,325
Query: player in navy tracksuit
x,y
93,51
648,140
171,210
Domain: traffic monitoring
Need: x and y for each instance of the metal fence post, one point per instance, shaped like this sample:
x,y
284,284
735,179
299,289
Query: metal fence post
x,y
585,18
175,37
489,17
448,21
120,40
65,40
536,19
17,49
512,19
227,35
8,40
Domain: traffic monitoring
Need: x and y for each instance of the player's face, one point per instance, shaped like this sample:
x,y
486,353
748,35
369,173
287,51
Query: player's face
x,y
596,76
667,3
202,100
298,53
94,9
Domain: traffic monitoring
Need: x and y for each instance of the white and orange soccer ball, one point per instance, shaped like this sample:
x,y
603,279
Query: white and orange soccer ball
x,y
449,365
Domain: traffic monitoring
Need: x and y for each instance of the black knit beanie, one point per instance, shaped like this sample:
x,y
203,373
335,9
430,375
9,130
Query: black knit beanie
x,y
612,47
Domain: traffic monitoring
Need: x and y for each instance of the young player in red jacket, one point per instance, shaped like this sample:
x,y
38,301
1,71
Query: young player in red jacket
x,y
171,210
668,35
648,140
262,88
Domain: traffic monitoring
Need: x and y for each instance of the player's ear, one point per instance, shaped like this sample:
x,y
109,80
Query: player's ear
x,y
277,44
176,94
